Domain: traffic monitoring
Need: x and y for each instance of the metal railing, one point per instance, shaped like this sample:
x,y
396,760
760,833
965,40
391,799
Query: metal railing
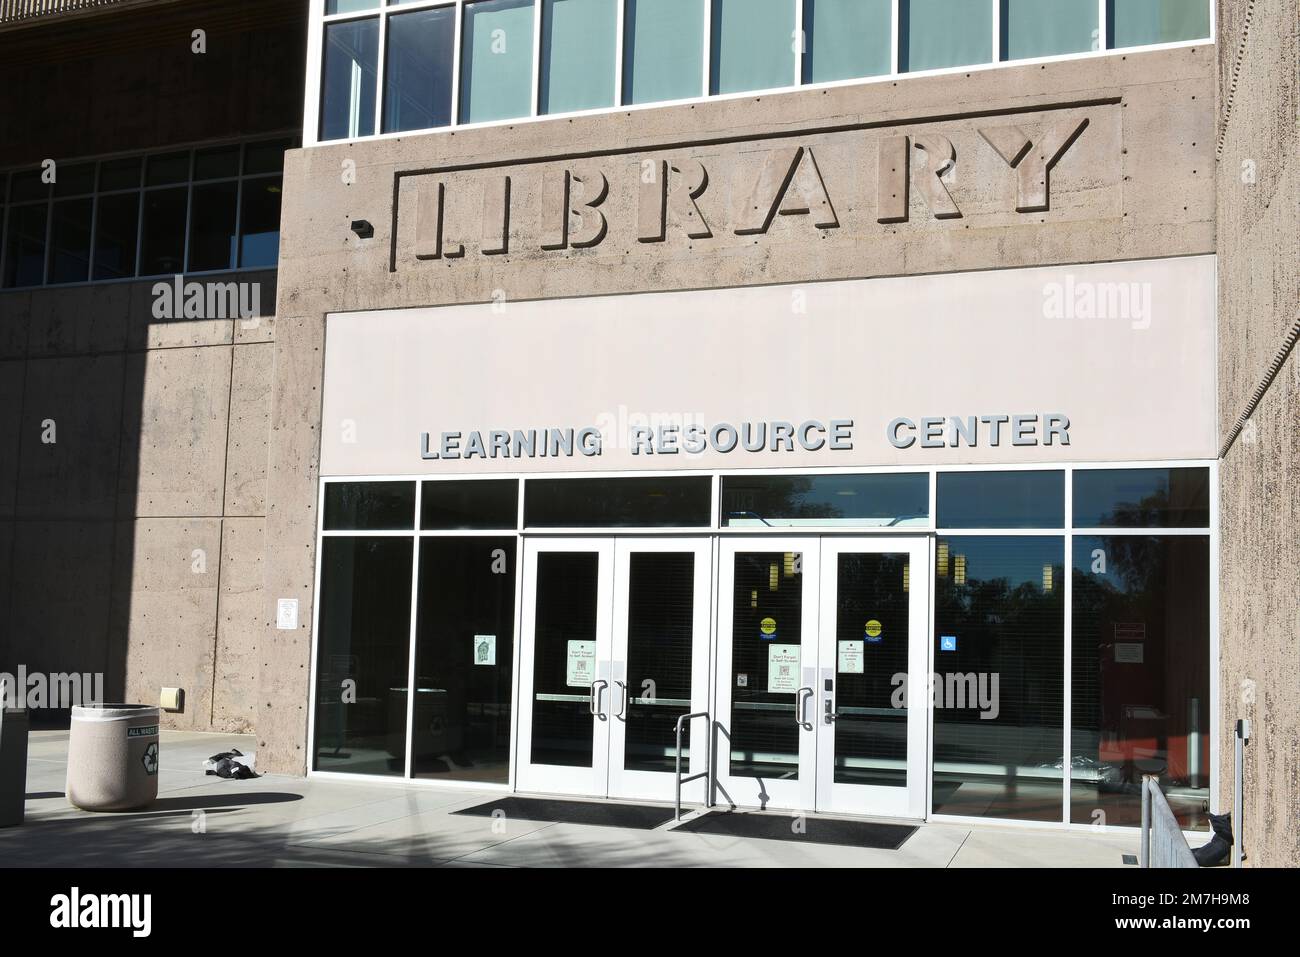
x,y
1163,844
708,763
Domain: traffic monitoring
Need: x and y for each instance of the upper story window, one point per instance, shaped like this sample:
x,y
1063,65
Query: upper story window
x,y
208,209
392,66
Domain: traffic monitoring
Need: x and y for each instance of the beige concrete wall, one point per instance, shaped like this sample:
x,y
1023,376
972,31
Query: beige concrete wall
x,y
1137,183
132,543
1258,212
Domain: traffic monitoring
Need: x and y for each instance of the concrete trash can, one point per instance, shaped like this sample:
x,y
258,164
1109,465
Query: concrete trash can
x,y
113,757
13,765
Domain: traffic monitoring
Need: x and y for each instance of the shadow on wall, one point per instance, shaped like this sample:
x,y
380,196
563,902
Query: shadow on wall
x,y
131,500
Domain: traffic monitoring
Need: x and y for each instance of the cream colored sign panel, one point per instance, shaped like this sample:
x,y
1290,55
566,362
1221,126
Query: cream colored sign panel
x,y
1107,362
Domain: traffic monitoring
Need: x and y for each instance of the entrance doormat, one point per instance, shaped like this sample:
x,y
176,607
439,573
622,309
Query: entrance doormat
x,y
814,830
600,814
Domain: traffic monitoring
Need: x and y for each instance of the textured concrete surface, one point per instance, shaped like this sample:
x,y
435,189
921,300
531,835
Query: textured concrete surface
x,y
1258,186
203,821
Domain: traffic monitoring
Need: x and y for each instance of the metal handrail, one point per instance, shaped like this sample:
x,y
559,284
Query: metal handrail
x,y
708,764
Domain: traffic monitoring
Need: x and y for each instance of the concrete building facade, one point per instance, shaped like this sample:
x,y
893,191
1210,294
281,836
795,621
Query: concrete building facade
x,y
1092,251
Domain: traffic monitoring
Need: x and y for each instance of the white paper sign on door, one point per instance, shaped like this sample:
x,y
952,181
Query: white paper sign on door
x,y
485,649
782,669
850,657
581,670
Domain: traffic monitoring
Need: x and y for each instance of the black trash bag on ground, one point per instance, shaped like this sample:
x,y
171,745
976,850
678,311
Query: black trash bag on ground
x,y
1216,853
230,764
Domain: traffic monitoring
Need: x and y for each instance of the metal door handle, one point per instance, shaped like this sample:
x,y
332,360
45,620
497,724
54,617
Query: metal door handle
x,y
623,713
594,704
800,697
831,714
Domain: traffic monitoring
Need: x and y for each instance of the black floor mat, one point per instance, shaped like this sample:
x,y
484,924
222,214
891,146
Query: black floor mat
x,y
815,830
601,814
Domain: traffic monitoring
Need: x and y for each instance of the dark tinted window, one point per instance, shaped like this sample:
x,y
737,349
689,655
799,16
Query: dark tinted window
x,y
492,503
162,247
265,157
418,69
120,174
351,49
75,180
617,502
259,225
870,501
999,646
1000,499
1141,676
372,506
116,228
212,226
25,246
464,659
1142,498
216,163
363,651
28,185
167,168
70,240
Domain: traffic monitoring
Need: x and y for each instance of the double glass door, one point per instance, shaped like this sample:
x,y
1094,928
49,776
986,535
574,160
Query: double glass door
x,y
822,671
615,649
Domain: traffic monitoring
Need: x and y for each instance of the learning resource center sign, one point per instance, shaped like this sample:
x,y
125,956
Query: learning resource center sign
x,y
1107,362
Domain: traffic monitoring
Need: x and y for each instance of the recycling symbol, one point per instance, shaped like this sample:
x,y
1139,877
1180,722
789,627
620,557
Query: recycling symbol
x,y
150,759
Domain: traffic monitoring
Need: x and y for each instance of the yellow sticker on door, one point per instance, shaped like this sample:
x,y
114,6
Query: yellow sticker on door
x,y
768,627
873,630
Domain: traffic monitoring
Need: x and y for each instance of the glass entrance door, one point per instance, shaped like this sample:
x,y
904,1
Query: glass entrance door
x,y
614,650
822,666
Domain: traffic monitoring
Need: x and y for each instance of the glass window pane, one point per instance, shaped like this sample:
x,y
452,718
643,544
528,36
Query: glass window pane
x,y
266,157
70,240
844,39
418,69
1141,676
491,503
170,168
116,227
579,42
999,648
1142,498
351,65
75,180
1033,28
370,506
259,223
212,226
162,247
1000,499
871,730
120,174
933,34
463,659
866,501
660,643
1135,22
28,185
349,6
363,649
752,45
25,246
567,587
767,611
496,78
216,163
617,502
663,50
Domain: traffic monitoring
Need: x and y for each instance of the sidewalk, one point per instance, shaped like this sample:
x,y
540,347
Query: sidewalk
x,y
277,821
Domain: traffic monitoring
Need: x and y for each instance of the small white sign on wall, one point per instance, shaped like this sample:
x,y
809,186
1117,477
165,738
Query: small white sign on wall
x,y
581,668
286,614
782,669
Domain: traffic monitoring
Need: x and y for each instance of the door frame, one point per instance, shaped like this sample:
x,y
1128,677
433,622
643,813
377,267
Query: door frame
x,y
744,791
909,801
550,778
655,785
